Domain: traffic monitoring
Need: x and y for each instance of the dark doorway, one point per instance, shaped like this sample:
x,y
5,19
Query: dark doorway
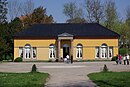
x,y
65,51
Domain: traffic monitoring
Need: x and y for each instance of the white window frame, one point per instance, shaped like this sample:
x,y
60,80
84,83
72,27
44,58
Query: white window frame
x,y
96,52
34,51
110,50
79,51
104,51
52,50
104,48
28,52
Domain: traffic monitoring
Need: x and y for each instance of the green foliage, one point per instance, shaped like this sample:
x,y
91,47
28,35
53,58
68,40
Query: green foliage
x,y
123,51
34,68
74,14
15,26
111,16
19,59
3,47
76,20
114,58
23,79
111,79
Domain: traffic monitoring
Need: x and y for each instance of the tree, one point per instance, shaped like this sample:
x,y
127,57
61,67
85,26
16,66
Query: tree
x,y
111,16
77,20
124,33
128,13
3,11
17,8
28,7
95,10
3,47
14,8
38,16
128,23
74,14
15,26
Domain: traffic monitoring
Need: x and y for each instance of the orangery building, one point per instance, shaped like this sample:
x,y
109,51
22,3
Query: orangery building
x,y
87,41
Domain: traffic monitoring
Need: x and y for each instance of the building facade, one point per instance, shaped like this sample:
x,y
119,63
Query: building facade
x,y
87,41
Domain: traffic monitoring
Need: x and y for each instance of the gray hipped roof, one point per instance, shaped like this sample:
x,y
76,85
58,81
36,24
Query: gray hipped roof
x,y
81,30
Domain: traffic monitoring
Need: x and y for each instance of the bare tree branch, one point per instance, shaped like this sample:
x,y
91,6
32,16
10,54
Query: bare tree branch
x,y
95,10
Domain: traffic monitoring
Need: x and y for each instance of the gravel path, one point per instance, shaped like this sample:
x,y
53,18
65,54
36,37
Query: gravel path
x,y
65,75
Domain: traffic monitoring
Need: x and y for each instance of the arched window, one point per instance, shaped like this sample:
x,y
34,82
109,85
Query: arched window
x,y
52,51
27,51
79,51
104,51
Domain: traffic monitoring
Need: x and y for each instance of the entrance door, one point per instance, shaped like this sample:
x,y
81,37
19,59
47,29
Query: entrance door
x,y
65,51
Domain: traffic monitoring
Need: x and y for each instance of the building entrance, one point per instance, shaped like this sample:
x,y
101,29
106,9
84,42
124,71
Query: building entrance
x,y
65,51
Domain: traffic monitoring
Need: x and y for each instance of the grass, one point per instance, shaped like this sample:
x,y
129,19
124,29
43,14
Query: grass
x,y
111,79
23,79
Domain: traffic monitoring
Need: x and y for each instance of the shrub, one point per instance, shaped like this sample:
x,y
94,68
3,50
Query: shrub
x,y
34,68
105,69
114,58
11,57
1,59
19,59
123,51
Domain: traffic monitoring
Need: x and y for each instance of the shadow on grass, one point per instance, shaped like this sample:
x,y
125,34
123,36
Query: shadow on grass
x,y
104,83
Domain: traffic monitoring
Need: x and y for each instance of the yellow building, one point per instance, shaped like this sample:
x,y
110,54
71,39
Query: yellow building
x,y
88,41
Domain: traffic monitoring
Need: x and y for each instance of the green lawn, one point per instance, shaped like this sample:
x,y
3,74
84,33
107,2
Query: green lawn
x,y
111,79
23,79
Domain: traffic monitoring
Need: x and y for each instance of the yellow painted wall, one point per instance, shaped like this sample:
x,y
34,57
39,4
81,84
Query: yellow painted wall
x,y
42,53
90,44
16,52
34,43
43,47
96,42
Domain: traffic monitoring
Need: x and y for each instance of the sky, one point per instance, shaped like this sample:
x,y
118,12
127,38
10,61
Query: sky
x,y
55,7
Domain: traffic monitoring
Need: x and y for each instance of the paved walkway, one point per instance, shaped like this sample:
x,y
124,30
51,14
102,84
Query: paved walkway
x,y
65,75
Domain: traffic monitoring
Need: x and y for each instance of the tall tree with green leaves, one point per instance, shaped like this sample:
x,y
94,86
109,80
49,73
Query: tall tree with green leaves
x,y
4,45
95,11
128,23
3,11
74,14
111,16
128,14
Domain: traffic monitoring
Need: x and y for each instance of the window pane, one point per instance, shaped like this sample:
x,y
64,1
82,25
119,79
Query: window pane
x,y
79,52
52,52
34,52
104,52
97,52
110,51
